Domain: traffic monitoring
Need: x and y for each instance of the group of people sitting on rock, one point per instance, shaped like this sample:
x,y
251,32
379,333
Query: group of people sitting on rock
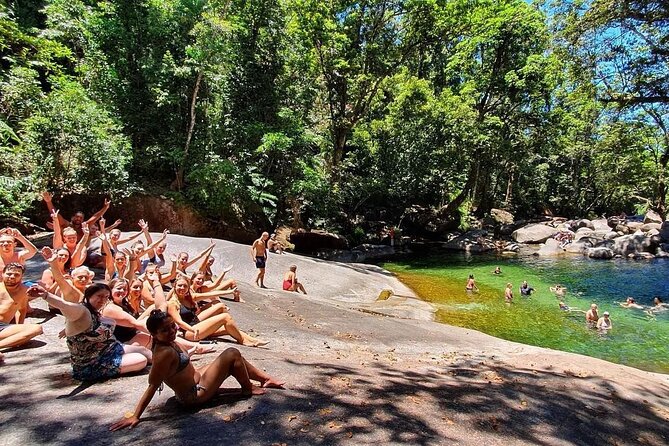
x,y
138,315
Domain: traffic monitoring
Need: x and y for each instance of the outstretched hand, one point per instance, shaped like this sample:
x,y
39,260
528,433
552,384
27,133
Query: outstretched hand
x,y
107,202
143,225
124,422
48,254
54,214
37,291
46,196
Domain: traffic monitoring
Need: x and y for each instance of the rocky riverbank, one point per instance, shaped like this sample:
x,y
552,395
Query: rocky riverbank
x,y
359,370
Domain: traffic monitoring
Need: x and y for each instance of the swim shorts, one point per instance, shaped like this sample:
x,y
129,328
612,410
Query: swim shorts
x,y
260,262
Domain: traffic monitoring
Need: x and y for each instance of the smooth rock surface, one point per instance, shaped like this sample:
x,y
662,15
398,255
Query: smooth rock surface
x,y
533,234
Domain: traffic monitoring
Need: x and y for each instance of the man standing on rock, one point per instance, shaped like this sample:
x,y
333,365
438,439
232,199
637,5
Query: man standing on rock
x,y
259,256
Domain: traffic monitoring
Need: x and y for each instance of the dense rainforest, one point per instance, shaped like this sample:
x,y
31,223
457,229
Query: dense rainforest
x,y
333,113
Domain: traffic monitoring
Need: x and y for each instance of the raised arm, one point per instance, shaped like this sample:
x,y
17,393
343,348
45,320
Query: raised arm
x,y
98,215
204,253
109,257
29,249
173,271
48,199
70,293
147,235
153,245
79,254
114,226
57,231
71,311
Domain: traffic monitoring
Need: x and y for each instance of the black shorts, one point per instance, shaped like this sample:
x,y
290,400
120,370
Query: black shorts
x,y
3,326
260,262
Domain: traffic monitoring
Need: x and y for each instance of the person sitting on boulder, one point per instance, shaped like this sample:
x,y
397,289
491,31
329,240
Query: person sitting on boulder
x,y
290,282
77,221
192,387
274,245
8,252
13,308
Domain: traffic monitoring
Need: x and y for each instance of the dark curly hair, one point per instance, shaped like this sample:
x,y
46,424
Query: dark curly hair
x,y
156,320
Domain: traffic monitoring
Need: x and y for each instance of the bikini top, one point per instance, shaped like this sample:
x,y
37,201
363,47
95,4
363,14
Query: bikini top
x,y
184,360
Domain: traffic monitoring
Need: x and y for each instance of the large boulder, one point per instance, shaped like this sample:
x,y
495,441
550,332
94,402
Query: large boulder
x,y
664,232
501,216
471,241
317,240
649,226
582,223
550,249
533,234
580,246
652,217
634,225
599,253
634,243
601,224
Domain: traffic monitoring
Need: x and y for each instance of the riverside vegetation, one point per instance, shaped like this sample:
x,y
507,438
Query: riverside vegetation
x,y
336,114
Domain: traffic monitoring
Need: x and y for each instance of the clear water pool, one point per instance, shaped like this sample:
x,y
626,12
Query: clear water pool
x,y
638,339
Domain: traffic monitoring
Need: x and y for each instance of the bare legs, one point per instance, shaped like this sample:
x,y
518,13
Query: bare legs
x,y
260,278
18,334
135,358
231,363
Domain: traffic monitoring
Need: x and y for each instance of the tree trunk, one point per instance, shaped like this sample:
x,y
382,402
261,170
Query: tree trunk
x,y
189,136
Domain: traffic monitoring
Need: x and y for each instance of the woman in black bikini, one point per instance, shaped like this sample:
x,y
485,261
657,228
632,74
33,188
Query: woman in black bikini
x,y
172,366
197,324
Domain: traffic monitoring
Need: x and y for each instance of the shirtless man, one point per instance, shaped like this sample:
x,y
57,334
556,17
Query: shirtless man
x,y
290,282
259,256
591,316
77,221
8,253
13,308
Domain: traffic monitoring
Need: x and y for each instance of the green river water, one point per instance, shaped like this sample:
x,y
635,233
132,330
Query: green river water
x,y
638,339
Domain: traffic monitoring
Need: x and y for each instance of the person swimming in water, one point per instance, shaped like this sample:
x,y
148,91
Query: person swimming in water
x,y
471,285
559,290
497,271
631,303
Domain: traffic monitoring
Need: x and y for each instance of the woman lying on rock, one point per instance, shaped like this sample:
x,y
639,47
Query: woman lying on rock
x,y
94,351
196,324
191,386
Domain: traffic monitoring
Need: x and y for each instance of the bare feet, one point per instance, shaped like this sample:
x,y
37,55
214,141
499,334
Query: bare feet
x,y
252,342
272,383
254,390
236,296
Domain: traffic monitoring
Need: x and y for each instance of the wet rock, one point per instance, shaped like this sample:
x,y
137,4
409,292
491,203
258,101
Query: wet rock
x,y
471,241
641,256
632,244
664,232
580,246
599,253
550,249
533,234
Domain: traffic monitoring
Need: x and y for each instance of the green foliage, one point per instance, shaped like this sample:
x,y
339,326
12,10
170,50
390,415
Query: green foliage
x,y
75,146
